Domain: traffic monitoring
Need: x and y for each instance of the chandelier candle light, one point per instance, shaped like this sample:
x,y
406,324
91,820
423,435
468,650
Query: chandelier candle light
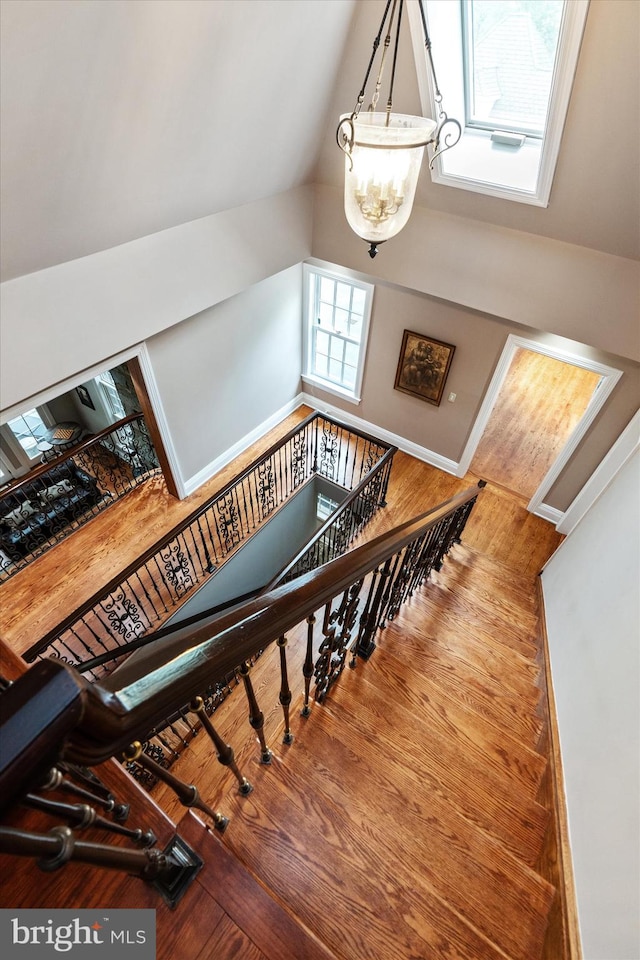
x,y
383,151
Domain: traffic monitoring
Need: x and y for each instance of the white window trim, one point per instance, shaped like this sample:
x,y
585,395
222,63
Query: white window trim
x,y
23,462
353,396
527,172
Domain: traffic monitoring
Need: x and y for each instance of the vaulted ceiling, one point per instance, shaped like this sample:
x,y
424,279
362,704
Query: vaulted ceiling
x,y
124,118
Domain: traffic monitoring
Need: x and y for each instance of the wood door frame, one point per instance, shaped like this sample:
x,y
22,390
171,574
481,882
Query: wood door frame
x,y
609,378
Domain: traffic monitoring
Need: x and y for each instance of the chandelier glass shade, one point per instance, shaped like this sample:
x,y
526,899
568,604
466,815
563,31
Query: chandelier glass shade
x,y
381,172
384,150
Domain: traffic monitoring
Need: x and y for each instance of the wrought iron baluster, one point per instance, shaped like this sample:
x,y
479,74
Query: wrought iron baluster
x,y
56,780
123,615
161,597
158,734
256,716
60,846
307,668
248,497
82,816
224,751
384,603
202,564
211,549
139,606
285,691
338,629
186,793
365,644
177,572
148,597
100,640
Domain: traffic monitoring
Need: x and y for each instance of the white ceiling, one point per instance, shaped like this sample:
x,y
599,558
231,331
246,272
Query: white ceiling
x,y
121,118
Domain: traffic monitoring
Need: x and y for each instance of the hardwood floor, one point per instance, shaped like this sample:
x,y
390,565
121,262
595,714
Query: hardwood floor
x,y
538,406
409,818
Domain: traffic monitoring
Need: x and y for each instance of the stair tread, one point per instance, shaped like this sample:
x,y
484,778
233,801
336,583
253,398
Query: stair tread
x,y
505,629
319,848
510,814
448,725
270,931
475,639
484,692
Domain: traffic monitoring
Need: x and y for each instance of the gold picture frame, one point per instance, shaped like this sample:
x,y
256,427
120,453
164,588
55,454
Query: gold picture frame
x,y
423,366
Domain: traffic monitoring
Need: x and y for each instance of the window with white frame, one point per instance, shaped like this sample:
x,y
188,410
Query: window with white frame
x,y
505,69
109,396
337,311
21,441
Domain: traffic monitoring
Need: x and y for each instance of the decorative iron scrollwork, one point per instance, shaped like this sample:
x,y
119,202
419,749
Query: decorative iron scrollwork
x,y
124,616
299,460
266,489
329,449
338,628
177,570
228,521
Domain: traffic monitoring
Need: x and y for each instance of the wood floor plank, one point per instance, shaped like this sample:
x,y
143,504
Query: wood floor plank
x,y
466,868
350,892
478,793
263,928
229,943
485,694
474,641
450,720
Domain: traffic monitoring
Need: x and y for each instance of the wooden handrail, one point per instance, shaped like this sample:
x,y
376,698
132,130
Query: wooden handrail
x,y
132,700
123,575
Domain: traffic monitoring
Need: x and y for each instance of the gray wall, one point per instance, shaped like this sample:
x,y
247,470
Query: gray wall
x,y
479,340
266,553
223,372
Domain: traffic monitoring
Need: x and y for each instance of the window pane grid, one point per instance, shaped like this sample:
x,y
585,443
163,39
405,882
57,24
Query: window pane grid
x,y
509,56
337,324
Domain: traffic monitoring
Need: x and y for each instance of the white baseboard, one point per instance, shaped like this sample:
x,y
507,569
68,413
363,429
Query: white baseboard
x,y
407,446
231,453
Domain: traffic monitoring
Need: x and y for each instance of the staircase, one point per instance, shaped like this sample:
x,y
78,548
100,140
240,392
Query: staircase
x,y
405,820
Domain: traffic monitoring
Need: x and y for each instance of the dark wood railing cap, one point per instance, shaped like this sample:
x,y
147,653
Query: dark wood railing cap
x,y
140,694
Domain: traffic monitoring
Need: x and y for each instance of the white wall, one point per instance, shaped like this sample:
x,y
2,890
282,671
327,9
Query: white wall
x,y
592,608
224,372
68,318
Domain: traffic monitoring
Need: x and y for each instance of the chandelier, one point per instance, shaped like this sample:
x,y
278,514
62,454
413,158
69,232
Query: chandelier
x,y
383,150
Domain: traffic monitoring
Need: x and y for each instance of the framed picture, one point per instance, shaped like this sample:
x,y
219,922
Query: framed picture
x,y
423,366
85,396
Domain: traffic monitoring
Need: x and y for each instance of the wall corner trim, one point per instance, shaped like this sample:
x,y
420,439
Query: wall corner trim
x,y
624,447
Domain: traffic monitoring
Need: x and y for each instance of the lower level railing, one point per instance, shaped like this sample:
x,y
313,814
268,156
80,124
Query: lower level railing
x,y
343,604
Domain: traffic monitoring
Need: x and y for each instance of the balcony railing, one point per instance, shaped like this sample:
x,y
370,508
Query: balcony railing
x,y
137,601
54,499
